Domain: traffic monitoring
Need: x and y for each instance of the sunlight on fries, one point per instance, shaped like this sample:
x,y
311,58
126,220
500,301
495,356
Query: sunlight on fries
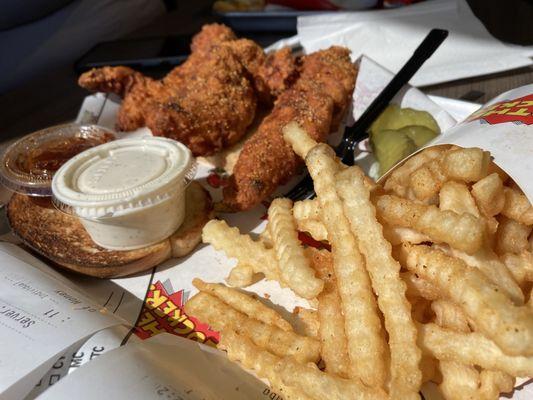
x,y
209,309
366,345
243,303
429,279
294,267
385,276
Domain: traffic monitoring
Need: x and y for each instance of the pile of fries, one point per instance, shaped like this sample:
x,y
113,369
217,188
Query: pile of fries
x,y
428,279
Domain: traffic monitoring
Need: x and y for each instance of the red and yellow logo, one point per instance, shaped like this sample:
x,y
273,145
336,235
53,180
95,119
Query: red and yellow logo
x,y
163,312
519,111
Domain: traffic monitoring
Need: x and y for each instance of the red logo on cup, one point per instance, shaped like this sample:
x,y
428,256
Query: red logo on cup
x,y
519,111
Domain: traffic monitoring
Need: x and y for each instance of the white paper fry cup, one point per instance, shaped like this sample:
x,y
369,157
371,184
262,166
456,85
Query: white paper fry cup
x,y
504,127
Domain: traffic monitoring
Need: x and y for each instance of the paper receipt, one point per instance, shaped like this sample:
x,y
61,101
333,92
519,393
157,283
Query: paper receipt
x,y
40,317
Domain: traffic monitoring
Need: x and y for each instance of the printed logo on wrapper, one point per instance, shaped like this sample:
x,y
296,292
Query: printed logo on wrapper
x,y
163,312
519,110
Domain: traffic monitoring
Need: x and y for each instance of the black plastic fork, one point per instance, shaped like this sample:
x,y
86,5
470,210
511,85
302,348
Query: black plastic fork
x,y
358,131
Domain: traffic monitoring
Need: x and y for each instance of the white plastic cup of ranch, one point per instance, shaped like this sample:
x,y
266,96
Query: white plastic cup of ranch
x,y
128,193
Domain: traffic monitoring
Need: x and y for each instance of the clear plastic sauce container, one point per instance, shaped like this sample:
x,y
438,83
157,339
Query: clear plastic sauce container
x,y
128,193
29,164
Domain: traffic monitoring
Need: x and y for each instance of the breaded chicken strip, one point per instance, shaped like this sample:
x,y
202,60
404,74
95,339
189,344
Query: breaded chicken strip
x,y
210,35
317,101
207,103
271,74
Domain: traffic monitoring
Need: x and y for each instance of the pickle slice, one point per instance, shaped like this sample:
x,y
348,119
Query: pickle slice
x,y
419,134
394,117
390,147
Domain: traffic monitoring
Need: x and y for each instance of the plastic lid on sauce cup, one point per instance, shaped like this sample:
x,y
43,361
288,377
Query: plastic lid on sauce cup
x,y
28,165
128,193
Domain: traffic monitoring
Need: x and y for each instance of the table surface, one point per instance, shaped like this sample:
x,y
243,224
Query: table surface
x,y
56,97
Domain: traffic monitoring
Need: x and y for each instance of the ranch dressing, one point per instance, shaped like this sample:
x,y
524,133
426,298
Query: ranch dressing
x,y
128,193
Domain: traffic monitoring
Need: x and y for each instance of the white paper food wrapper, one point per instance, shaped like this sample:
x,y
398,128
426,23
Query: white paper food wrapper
x,y
165,288
390,36
504,126
163,367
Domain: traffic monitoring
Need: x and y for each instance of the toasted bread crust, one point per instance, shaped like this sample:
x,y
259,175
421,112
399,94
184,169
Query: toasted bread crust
x,y
199,210
62,238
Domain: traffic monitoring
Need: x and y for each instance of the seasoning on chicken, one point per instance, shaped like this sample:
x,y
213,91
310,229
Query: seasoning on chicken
x,y
209,101
318,101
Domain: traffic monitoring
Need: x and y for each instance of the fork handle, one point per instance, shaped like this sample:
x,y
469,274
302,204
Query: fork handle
x,y
425,50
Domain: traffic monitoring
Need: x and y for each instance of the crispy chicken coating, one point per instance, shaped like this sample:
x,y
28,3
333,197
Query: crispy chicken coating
x,y
271,74
210,35
209,101
207,104
317,101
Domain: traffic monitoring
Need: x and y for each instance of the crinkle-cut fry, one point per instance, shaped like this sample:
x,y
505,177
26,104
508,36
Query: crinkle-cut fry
x,y
472,349
398,179
464,165
306,322
367,348
306,209
220,316
265,237
294,267
314,227
418,287
384,273
298,138
244,303
396,235
489,194
455,196
493,313
512,236
494,168
517,206
495,382
303,381
319,385
467,164
426,181
242,247
333,342
520,265
460,381
492,267
241,349
462,231
450,315
241,275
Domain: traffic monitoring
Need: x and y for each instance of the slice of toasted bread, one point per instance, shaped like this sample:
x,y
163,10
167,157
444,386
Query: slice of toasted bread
x,y
198,211
62,239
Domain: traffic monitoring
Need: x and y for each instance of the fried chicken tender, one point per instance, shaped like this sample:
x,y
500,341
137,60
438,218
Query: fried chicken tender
x,y
278,71
209,36
208,102
317,101
271,74
139,92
